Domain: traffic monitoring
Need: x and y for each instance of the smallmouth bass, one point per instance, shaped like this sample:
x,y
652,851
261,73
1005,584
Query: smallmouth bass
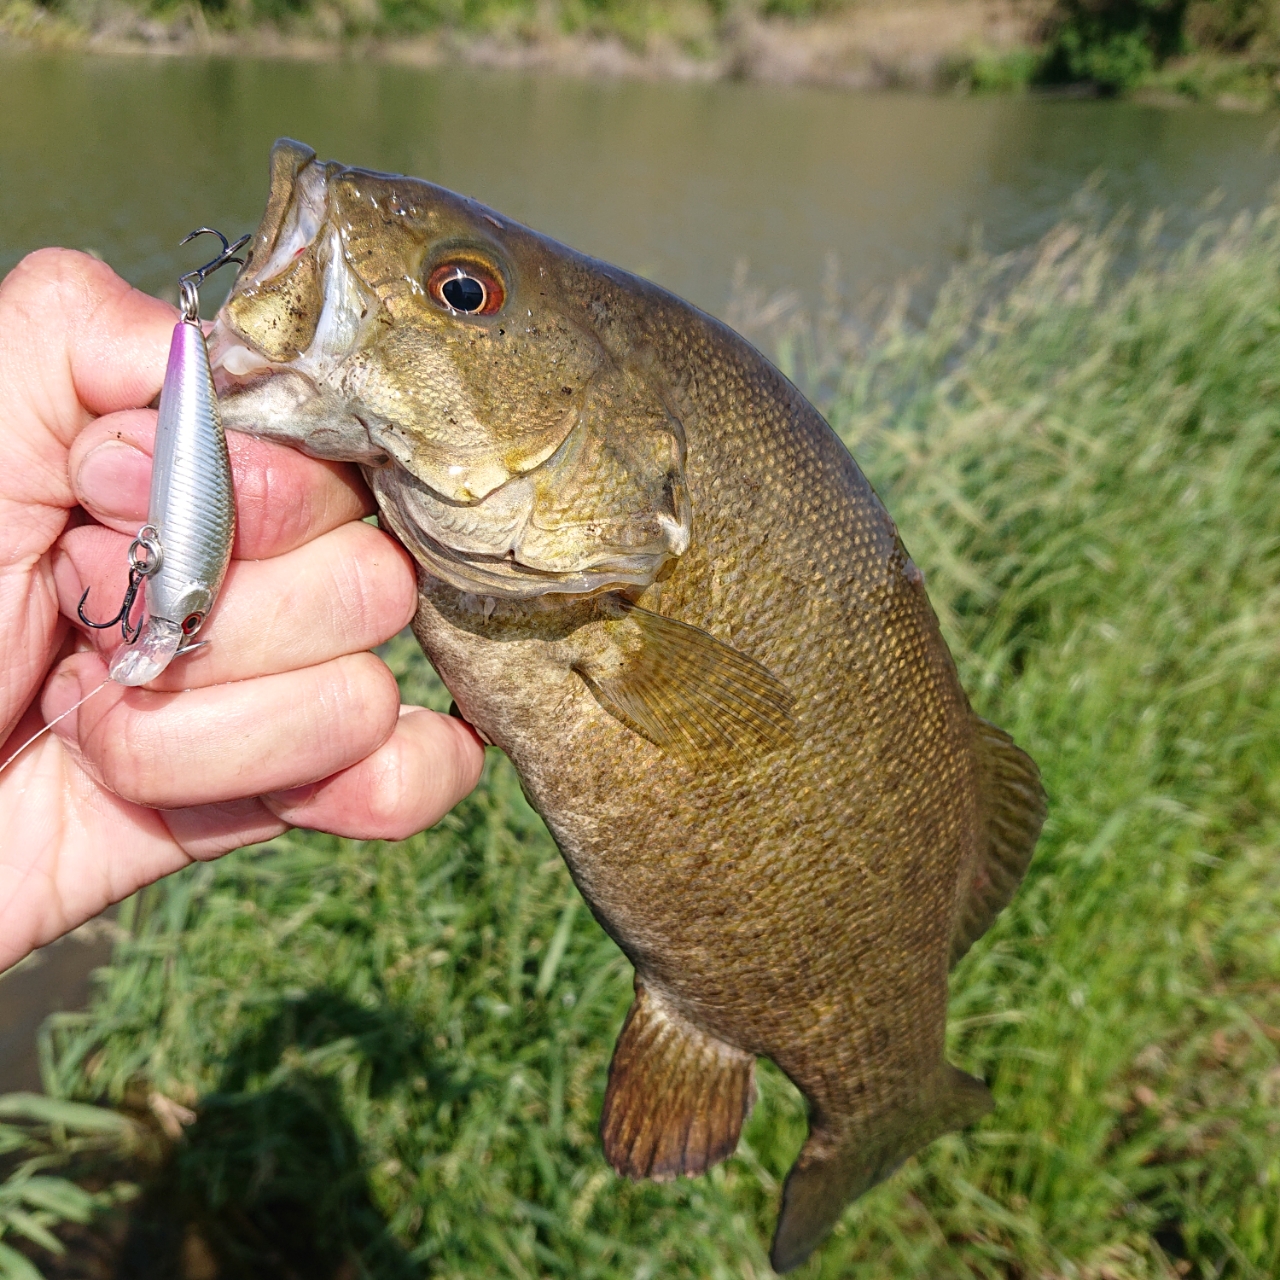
x,y
653,575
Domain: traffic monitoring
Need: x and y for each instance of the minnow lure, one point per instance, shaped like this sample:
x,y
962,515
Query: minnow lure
x,y
182,552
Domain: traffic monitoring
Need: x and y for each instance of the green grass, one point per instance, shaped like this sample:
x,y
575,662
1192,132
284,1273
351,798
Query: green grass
x,y
37,1136
397,1052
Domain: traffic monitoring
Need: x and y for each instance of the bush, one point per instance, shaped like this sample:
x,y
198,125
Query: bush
x,y
1234,26
1112,44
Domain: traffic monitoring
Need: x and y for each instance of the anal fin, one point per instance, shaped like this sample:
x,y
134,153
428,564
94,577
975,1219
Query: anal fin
x,y
1013,805
836,1168
688,693
677,1096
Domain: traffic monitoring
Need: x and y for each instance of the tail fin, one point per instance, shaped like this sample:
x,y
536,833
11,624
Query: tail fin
x,y
831,1171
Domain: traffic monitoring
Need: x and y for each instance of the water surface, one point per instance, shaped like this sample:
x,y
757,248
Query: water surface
x,y
677,182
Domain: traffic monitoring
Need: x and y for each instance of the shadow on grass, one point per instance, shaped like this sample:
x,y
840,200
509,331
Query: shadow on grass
x,y
269,1183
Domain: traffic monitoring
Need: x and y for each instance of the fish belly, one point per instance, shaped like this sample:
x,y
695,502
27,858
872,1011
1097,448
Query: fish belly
x,y
796,909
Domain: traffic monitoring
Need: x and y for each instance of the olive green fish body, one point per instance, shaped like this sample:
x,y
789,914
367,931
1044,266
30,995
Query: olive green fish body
x,y
676,603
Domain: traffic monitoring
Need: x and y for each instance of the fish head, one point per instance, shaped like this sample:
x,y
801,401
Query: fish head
x,y
463,360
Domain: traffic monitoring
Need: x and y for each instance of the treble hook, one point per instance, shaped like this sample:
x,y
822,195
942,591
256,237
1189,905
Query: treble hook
x,y
144,560
191,282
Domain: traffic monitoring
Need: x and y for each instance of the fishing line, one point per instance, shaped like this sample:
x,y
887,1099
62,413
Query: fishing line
x,y
41,732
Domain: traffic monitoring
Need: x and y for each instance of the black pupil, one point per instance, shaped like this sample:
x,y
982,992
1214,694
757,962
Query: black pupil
x,y
463,293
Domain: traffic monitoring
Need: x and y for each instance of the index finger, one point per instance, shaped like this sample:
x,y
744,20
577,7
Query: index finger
x,y
79,342
283,498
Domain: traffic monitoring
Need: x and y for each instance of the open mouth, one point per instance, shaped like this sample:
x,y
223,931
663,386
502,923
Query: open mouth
x,y
301,225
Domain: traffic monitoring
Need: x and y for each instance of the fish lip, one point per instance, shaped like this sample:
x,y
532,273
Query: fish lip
x,y
301,221
225,342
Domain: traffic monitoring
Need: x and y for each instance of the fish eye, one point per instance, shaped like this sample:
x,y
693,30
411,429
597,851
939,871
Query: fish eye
x,y
466,288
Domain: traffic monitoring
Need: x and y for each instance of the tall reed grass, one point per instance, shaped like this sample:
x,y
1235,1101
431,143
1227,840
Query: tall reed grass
x,y
396,1052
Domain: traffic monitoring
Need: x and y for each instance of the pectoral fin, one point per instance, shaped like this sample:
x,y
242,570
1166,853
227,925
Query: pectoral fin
x,y
688,693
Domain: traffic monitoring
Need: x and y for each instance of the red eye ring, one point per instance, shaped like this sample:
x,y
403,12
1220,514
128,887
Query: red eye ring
x,y
466,289
192,623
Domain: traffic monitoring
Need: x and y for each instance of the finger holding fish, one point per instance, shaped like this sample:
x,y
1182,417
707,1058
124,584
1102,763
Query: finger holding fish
x,y
229,741
429,764
329,746
283,498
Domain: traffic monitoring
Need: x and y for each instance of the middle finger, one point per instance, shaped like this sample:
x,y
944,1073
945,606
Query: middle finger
x,y
344,592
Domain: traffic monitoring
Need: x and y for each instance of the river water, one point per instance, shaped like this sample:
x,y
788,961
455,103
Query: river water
x,y
678,182
681,183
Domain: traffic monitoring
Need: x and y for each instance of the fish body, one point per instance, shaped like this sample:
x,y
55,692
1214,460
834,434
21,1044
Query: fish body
x,y
652,574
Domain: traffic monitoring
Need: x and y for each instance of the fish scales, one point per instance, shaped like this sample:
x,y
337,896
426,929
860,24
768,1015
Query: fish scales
x,y
679,607
729,846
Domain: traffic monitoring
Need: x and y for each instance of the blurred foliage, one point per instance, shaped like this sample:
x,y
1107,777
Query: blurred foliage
x,y
634,21
1114,44
37,1136
395,1053
1121,44
1233,26
996,70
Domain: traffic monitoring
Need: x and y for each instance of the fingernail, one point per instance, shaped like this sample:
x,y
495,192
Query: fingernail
x,y
114,479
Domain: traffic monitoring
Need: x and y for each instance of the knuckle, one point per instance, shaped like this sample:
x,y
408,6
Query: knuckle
x,y
385,794
375,583
52,271
370,689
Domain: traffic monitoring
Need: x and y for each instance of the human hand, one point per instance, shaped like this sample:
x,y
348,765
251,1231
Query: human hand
x,y
283,719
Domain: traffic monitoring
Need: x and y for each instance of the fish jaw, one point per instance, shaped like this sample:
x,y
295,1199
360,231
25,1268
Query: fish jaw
x,y
286,345
284,406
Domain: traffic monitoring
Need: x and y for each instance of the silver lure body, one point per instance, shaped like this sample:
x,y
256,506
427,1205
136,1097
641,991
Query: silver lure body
x,y
191,518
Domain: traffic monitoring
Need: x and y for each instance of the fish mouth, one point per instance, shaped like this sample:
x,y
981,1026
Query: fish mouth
x,y
286,405
304,217
296,394
235,362
296,205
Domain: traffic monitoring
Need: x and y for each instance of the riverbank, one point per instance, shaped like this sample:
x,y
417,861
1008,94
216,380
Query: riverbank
x,y
868,45
936,44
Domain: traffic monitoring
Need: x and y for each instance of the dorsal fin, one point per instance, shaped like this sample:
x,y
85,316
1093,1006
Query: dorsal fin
x,y
1013,805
